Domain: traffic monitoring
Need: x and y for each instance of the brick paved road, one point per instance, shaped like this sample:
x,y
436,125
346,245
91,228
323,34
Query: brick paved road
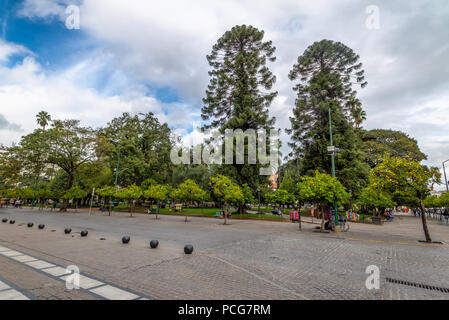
x,y
245,260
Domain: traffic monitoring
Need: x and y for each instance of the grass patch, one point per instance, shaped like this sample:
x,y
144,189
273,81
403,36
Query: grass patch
x,y
207,212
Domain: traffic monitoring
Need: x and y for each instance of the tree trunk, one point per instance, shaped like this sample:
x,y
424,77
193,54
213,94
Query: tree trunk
x,y
424,222
132,208
68,186
322,218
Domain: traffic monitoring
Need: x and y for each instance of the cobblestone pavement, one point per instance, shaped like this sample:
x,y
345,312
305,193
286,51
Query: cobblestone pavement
x,y
244,260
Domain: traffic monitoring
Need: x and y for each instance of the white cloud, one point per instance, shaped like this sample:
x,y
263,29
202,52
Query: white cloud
x,y
26,88
46,9
8,49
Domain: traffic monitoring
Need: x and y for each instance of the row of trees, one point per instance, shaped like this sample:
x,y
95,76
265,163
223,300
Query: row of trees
x,y
134,150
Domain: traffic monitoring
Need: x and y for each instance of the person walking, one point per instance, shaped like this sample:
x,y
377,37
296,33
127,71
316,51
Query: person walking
x,y
446,215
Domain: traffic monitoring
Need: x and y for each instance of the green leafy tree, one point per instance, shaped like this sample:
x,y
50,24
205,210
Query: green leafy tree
x,y
43,194
444,200
289,182
433,202
157,193
69,146
240,93
375,199
107,192
10,167
321,190
225,191
282,197
75,193
248,196
26,193
324,77
403,175
140,144
189,191
130,194
377,143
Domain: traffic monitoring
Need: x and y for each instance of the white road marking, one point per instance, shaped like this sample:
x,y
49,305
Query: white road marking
x,y
3,286
12,294
86,282
104,290
11,253
113,293
39,264
24,258
56,271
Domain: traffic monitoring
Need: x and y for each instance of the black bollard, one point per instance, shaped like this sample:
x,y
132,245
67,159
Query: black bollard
x,y
67,230
30,224
154,244
126,239
4,220
12,221
188,249
41,226
84,233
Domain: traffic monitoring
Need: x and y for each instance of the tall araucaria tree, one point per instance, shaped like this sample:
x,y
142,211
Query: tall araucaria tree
x,y
240,92
324,77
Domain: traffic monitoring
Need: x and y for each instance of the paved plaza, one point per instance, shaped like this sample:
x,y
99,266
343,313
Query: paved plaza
x,y
244,260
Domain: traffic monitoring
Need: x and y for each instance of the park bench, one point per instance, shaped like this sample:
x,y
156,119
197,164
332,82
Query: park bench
x,y
218,214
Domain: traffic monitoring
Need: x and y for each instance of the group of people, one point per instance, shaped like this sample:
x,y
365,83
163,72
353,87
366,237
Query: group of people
x,y
417,212
444,213
18,203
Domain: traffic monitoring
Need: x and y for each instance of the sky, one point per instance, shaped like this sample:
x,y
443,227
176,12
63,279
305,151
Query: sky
x,y
140,56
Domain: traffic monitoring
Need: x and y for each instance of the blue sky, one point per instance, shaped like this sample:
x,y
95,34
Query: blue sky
x,y
139,56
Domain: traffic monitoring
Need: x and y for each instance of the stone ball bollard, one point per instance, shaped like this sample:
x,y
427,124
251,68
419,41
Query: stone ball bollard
x,y
41,226
126,239
4,220
30,224
84,233
154,244
188,249
12,221
67,230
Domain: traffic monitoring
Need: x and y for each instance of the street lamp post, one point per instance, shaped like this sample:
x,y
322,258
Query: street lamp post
x,y
258,192
333,150
445,177
116,168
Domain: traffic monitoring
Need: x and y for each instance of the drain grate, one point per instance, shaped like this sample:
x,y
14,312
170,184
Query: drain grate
x,y
417,285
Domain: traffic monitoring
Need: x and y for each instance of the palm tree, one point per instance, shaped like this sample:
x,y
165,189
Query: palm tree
x,y
43,118
357,113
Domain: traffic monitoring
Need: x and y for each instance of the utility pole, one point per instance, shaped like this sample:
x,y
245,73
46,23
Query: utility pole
x,y
116,168
445,177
